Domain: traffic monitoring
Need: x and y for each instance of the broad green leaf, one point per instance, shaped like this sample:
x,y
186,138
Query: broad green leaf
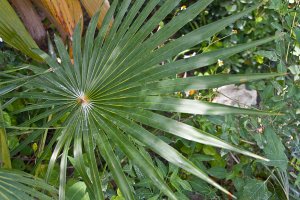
x,y
77,191
255,190
295,70
183,183
218,172
207,150
201,187
161,167
271,55
274,150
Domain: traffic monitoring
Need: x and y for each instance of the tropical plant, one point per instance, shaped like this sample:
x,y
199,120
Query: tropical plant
x,y
19,185
118,83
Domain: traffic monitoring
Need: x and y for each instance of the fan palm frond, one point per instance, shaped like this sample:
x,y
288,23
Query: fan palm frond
x,y
19,185
117,81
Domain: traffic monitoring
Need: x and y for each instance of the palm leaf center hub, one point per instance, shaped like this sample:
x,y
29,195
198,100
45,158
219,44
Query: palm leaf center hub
x,y
84,100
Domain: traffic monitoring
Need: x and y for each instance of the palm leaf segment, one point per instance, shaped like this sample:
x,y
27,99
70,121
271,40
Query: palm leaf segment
x,y
117,81
19,185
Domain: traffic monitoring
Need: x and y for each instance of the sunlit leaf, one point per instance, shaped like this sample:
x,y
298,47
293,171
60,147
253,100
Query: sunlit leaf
x,y
92,6
64,14
77,191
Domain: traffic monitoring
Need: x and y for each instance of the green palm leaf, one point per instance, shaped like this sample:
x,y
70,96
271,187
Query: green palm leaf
x,y
107,152
15,185
117,80
5,161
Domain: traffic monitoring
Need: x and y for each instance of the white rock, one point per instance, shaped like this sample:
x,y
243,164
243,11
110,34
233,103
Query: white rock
x,y
237,96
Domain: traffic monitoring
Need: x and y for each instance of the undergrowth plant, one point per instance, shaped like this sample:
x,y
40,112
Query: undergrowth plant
x,y
116,88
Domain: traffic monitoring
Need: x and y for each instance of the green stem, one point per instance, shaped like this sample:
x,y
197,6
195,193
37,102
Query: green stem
x,y
5,161
291,33
43,140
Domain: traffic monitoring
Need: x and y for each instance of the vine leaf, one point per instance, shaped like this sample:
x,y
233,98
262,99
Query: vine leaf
x,y
255,190
274,150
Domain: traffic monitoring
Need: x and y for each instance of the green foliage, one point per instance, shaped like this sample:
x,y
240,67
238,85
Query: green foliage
x,y
280,95
19,185
114,121
274,150
255,190
77,191
5,161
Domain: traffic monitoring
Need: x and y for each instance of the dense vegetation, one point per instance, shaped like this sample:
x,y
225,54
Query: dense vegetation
x,y
126,111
